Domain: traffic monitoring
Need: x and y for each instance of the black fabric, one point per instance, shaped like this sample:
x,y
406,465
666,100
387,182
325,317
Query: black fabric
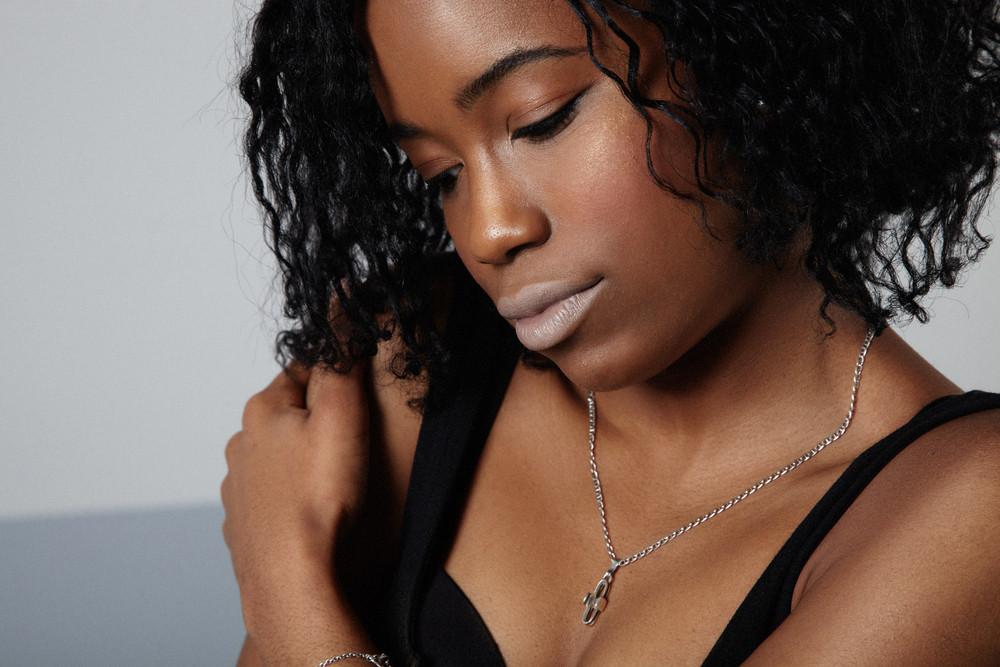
x,y
458,418
430,621
770,600
450,630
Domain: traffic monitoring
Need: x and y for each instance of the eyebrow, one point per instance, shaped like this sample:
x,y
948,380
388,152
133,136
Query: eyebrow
x,y
489,79
514,60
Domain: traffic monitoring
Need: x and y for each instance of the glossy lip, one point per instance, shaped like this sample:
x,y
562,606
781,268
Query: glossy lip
x,y
545,314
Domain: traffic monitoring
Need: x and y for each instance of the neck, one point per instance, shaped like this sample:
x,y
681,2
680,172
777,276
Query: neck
x,y
775,368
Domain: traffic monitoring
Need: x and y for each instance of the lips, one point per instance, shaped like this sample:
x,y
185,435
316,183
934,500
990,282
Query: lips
x,y
546,314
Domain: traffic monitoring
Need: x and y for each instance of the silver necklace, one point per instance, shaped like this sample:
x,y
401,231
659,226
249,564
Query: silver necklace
x,y
596,601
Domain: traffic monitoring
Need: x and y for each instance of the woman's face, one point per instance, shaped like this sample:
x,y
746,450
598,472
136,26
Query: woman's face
x,y
545,186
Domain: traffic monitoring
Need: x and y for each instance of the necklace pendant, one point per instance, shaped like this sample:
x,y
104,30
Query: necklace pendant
x,y
596,601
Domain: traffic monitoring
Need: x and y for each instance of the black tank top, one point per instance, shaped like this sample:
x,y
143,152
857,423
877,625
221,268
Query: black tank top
x,y
428,620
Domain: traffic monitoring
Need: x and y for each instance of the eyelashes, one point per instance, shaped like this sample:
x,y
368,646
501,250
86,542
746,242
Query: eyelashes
x,y
537,132
551,125
445,181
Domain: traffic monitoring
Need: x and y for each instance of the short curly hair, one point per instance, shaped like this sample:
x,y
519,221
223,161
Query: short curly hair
x,y
872,125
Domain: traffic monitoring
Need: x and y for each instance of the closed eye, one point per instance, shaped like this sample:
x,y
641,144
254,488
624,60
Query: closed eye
x,y
542,130
445,181
551,125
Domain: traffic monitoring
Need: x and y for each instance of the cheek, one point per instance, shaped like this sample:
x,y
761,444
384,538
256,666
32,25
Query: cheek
x,y
601,189
595,175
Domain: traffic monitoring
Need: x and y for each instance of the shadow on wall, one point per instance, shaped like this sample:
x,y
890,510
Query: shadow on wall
x,y
143,588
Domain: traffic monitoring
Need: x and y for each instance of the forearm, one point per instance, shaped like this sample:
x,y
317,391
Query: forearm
x,y
299,617
297,474
248,655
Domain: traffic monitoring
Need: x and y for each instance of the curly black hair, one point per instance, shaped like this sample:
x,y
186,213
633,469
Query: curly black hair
x,y
872,125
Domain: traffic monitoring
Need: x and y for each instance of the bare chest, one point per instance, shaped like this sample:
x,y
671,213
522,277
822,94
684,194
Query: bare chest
x,y
530,548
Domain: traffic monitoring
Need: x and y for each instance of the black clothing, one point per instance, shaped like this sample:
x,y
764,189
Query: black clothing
x,y
428,614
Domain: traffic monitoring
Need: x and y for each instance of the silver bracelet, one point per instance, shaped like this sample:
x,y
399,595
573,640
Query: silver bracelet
x,y
380,660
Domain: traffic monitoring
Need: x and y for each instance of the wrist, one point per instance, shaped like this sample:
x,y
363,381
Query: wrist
x,y
380,660
303,619
290,576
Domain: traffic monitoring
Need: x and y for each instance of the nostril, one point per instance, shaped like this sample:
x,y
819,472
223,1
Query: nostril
x,y
502,220
501,239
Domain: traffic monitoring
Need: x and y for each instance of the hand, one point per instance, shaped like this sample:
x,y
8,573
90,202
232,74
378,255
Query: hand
x,y
297,474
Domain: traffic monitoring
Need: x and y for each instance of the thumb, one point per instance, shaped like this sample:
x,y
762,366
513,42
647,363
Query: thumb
x,y
337,402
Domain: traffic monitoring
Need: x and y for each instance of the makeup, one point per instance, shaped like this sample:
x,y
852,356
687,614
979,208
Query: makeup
x,y
546,314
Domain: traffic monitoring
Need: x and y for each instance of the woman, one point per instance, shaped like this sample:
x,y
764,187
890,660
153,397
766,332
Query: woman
x,y
697,218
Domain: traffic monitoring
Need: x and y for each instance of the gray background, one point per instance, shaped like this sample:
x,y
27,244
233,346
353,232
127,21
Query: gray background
x,y
136,320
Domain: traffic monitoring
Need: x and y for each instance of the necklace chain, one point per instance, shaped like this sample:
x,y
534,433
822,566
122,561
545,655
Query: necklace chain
x,y
597,600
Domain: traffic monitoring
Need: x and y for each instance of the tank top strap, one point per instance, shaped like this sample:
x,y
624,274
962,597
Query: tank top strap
x,y
457,420
770,600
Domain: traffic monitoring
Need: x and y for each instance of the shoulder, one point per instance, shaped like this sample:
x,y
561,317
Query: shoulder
x,y
397,403
946,484
952,468
959,454
396,417
911,572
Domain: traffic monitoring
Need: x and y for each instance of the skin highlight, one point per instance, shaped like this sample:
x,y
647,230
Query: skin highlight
x,y
514,214
711,371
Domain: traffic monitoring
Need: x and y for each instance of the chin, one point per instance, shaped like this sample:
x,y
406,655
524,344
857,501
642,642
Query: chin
x,y
601,370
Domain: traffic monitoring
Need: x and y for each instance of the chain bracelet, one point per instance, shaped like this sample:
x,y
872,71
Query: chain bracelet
x,y
380,660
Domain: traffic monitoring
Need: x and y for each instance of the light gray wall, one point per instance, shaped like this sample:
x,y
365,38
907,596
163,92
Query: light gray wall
x,y
131,283
133,275
131,332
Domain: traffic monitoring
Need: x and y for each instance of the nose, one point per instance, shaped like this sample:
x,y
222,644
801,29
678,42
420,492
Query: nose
x,y
502,220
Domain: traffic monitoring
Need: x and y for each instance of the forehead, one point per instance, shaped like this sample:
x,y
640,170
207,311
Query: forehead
x,y
438,45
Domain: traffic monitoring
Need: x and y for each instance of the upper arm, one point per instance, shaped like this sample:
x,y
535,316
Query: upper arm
x,y
369,552
911,573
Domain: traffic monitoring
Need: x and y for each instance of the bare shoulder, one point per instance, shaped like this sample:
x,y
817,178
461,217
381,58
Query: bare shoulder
x,y
951,472
395,417
369,551
911,572
395,401
958,458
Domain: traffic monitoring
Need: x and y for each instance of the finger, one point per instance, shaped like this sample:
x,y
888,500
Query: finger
x,y
232,450
225,489
298,373
339,399
287,389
